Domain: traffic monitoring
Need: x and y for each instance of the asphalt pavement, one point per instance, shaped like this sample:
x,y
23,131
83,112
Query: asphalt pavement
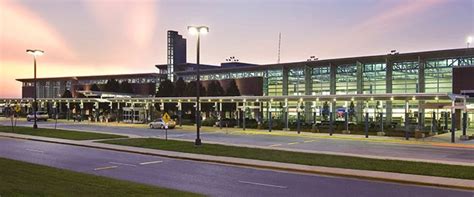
x,y
359,147
201,177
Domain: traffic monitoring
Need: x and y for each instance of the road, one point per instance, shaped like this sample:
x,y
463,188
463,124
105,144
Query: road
x,y
201,177
360,147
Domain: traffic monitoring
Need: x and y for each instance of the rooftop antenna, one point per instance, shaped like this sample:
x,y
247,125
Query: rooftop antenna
x,y
279,46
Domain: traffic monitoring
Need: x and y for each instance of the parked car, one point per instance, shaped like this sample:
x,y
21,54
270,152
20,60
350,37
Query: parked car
x,y
40,115
160,124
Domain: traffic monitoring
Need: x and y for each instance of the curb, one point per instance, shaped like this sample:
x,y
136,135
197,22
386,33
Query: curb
x,y
360,174
332,153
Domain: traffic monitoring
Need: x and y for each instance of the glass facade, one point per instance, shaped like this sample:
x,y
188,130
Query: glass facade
x,y
438,76
346,79
405,77
374,78
273,84
321,79
296,81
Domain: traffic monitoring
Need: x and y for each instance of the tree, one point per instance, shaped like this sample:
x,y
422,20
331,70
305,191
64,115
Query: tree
x,y
179,88
95,87
126,87
191,89
232,89
66,94
215,89
165,89
351,111
325,110
112,85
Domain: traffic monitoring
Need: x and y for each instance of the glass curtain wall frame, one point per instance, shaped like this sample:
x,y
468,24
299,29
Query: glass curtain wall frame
x,y
346,79
296,81
321,79
374,78
405,77
273,83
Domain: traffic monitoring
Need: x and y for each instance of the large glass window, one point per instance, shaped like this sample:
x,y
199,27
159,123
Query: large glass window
x,y
321,79
346,79
438,76
374,81
296,82
405,77
273,85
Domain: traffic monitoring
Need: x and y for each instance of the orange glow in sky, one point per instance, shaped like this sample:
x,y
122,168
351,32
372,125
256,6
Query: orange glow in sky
x,y
93,37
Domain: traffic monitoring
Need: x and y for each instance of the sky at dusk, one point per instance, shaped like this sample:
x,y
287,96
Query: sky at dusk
x,y
94,37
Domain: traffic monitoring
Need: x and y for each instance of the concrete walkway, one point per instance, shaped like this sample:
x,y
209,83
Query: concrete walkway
x,y
364,174
442,140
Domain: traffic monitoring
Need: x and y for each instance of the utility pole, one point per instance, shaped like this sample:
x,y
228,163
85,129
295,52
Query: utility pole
x,y
279,46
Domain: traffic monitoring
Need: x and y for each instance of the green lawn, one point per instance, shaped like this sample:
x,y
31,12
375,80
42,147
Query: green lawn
x,y
58,133
25,179
407,167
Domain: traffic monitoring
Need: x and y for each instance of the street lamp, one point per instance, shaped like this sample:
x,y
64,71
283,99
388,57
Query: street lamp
x,y
35,53
469,41
198,30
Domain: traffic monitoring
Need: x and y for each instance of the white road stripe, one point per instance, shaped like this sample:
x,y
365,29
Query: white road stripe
x,y
263,184
34,150
105,168
150,162
122,164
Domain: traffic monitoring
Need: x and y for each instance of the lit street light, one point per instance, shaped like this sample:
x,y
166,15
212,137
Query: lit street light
x,y
198,30
469,41
35,53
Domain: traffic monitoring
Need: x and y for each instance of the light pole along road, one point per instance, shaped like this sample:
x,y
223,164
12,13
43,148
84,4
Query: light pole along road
x,y
198,30
35,52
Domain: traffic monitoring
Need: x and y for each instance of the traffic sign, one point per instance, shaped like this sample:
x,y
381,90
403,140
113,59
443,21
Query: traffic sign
x,y
17,108
166,118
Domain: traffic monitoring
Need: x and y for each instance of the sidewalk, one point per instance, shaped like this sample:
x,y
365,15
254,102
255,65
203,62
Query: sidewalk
x,y
363,174
442,140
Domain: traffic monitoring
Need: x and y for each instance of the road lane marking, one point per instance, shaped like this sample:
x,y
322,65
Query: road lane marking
x,y
308,141
122,164
150,162
293,143
274,145
105,168
263,184
34,150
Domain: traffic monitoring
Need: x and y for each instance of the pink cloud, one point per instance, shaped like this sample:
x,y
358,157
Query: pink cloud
x,y
398,14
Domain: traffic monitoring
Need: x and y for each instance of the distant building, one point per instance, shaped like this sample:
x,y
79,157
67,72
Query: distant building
x,y
176,52
143,85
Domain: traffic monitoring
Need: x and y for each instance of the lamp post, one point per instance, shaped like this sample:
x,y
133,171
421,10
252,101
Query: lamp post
x,y
35,52
198,30
469,41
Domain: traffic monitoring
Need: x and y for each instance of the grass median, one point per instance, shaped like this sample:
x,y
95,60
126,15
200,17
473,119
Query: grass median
x,y
407,167
24,179
58,133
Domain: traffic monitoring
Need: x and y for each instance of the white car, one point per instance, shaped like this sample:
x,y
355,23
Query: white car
x,y
40,115
160,124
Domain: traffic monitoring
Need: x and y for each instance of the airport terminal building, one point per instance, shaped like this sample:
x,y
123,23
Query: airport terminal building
x,y
395,88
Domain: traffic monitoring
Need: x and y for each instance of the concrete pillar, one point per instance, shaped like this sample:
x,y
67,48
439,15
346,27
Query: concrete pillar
x,y
464,126
333,69
238,114
270,118
421,74
220,115
243,115
285,81
388,86
360,78
308,91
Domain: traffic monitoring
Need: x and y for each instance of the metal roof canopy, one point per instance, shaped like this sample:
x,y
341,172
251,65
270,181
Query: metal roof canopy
x,y
234,99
